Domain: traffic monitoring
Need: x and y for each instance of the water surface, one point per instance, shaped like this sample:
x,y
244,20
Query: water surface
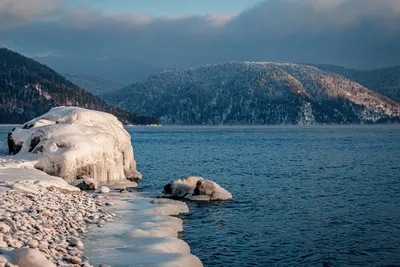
x,y
303,196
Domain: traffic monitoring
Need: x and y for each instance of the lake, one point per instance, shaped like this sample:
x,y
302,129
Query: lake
x,y
303,196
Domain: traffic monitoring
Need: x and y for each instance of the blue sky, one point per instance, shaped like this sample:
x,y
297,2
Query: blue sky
x,y
166,7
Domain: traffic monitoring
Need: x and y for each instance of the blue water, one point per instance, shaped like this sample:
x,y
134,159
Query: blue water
x,y
319,196
303,196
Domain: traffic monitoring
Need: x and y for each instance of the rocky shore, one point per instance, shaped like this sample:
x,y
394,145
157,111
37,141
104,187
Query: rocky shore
x,y
49,222
45,217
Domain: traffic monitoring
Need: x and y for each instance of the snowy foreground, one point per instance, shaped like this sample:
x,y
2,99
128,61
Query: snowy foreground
x,y
46,222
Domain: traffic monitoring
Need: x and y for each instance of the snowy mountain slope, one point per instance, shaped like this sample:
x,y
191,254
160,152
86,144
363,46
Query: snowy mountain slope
x,y
254,93
384,81
29,89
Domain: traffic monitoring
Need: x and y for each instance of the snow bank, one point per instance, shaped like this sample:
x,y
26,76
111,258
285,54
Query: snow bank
x,y
30,180
196,189
72,142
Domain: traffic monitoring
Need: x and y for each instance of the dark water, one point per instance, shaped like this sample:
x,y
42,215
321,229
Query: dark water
x,y
321,196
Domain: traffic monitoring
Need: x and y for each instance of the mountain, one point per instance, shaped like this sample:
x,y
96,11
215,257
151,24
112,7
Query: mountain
x,y
384,81
93,84
254,93
29,89
122,70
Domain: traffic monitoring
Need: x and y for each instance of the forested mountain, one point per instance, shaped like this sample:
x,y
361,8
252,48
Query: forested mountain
x,y
94,84
254,93
29,89
384,81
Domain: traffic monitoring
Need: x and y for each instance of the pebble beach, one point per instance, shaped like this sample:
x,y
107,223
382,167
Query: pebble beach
x,y
49,221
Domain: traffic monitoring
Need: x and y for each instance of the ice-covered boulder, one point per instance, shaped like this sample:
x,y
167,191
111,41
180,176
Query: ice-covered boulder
x,y
196,188
182,187
72,142
209,190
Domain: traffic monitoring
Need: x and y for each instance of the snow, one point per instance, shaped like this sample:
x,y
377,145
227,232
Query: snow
x,y
28,179
72,142
196,189
145,234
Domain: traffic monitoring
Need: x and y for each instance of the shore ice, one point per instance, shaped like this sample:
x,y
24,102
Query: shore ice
x,y
144,235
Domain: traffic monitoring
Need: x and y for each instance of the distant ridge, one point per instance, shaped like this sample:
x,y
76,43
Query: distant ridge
x,y
385,81
94,84
255,93
29,89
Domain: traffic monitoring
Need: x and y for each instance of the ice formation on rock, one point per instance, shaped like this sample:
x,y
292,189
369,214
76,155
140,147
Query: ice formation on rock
x,y
72,142
196,188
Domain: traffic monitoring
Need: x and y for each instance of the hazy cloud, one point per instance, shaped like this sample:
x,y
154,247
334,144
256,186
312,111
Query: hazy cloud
x,y
16,12
355,33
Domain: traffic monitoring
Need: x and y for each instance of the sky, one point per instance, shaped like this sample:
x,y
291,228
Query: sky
x,y
362,34
159,8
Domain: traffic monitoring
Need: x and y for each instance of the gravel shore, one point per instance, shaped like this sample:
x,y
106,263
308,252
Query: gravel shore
x,y
48,221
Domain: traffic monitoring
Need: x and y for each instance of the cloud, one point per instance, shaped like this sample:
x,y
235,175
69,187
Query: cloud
x,y
353,33
15,12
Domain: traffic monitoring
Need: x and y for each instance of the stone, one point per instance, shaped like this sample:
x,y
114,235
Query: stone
x,y
85,184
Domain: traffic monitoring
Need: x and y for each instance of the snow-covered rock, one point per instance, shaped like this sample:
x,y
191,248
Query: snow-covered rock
x,y
209,190
104,190
72,142
196,188
182,187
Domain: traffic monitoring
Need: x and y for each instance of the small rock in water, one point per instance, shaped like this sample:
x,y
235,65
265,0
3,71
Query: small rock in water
x,y
104,190
85,184
75,242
